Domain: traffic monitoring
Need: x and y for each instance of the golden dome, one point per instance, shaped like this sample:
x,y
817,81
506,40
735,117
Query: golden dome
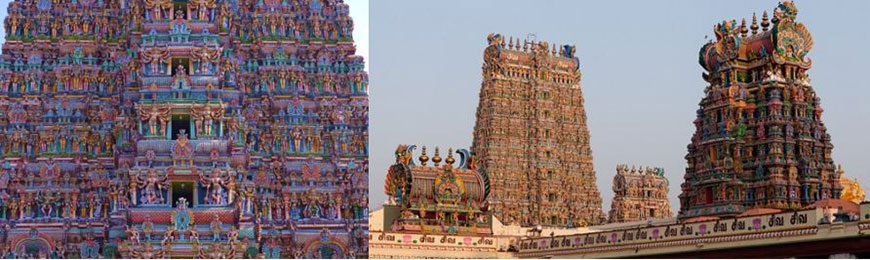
x,y
852,190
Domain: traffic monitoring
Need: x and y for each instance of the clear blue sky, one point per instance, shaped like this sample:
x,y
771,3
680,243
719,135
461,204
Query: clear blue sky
x,y
641,77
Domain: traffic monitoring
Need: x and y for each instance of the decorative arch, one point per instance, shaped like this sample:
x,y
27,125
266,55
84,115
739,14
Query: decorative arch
x,y
325,248
33,245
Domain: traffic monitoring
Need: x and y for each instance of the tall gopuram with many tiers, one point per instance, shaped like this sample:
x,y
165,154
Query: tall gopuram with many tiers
x,y
531,137
639,194
183,129
759,139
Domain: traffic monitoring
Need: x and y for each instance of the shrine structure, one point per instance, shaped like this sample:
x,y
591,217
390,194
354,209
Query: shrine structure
x,y
639,194
531,137
437,198
183,129
759,139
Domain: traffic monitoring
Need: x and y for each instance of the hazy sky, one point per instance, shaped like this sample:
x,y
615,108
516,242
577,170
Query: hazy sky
x,y
641,77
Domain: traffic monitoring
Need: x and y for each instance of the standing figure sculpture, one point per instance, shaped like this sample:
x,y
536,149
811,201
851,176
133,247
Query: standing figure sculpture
x,y
155,115
216,228
153,188
215,188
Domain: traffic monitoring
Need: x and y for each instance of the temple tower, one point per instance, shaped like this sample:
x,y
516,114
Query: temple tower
x,y
639,194
59,100
531,136
182,129
759,139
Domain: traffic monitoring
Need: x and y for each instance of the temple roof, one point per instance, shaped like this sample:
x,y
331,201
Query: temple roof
x,y
437,184
786,41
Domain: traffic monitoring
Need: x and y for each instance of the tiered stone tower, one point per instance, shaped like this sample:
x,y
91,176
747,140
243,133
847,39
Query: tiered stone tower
x,y
760,140
531,136
200,128
639,194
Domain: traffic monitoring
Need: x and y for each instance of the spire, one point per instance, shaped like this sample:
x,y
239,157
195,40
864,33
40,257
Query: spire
x,y
743,29
764,22
437,158
423,157
754,25
450,159
511,43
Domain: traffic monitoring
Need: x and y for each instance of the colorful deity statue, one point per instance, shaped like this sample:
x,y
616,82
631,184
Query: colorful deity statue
x,y
215,184
182,149
147,227
216,228
182,217
153,116
152,188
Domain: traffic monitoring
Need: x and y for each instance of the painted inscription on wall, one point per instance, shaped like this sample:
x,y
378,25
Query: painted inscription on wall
x,y
751,224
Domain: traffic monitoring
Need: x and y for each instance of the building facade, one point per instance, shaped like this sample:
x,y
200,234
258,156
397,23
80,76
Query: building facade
x,y
759,139
639,194
201,128
531,137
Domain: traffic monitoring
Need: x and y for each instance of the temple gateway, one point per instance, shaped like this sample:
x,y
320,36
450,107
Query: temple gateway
x,y
759,140
182,129
760,181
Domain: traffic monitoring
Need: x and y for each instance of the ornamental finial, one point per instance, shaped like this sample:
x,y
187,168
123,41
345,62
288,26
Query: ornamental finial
x,y
437,158
423,157
450,159
743,29
764,22
754,25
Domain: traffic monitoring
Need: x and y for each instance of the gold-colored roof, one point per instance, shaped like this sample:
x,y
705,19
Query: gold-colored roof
x,y
852,190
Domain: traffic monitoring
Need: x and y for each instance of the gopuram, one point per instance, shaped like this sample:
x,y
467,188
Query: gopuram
x,y
182,129
835,225
531,137
759,139
639,194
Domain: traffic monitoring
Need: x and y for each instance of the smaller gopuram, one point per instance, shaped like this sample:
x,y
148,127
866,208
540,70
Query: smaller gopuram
x,y
437,198
639,194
